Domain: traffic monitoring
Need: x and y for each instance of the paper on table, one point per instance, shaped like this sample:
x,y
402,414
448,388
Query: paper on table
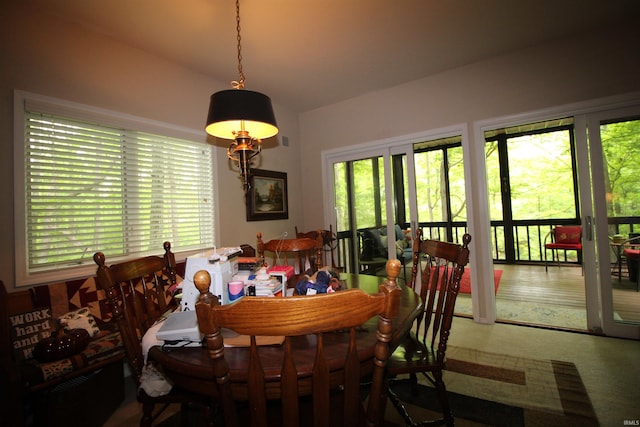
x,y
233,339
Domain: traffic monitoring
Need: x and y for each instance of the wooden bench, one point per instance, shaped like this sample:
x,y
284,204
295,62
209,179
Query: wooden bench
x,y
81,389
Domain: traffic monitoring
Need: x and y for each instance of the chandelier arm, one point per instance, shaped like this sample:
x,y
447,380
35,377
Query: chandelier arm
x,y
256,151
231,151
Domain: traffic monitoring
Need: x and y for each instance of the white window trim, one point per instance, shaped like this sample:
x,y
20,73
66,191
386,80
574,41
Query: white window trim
x,y
81,112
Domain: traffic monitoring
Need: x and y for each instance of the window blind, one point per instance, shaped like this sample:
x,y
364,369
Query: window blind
x,y
91,187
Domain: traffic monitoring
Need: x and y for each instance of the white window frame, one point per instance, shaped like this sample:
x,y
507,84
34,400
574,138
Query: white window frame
x,y
80,112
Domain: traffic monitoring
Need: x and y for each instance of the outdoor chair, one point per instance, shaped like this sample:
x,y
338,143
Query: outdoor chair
x,y
562,238
373,249
327,393
439,265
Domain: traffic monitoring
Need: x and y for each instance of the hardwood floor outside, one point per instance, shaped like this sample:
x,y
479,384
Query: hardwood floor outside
x,y
554,299
560,290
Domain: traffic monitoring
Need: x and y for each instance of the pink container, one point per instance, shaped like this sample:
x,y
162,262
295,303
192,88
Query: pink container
x,y
236,290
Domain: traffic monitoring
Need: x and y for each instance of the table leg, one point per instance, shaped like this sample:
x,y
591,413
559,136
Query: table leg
x,y
619,263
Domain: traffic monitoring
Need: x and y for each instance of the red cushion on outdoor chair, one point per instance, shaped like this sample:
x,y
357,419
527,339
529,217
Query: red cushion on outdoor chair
x,y
566,237
632,253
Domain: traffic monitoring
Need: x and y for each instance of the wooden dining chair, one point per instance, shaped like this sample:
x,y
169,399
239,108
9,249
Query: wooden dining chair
x,y
440,265
138,296
329,246
303,254
332,384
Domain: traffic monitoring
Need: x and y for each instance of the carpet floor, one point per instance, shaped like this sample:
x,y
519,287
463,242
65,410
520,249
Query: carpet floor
x,y
608,369
489,389
500,390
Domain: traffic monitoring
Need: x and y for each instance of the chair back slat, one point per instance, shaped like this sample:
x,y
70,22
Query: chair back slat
x,y
440,266
290,407
257,396
325,317
351,381
320,384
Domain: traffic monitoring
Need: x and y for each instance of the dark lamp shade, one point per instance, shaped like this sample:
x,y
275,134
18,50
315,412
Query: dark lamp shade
x,y
238,109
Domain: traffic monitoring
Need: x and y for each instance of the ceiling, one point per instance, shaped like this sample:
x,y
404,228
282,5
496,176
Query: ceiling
x,y
306,54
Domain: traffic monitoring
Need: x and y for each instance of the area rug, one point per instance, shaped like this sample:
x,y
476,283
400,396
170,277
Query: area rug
x,y
488,389
544,315
465,282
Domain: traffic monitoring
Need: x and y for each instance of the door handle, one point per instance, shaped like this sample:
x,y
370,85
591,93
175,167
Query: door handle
x,y
589,227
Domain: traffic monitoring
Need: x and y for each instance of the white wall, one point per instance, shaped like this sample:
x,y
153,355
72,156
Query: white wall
x,y
45,56
550,75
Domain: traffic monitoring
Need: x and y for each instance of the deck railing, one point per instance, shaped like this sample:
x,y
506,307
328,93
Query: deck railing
x,y
528,237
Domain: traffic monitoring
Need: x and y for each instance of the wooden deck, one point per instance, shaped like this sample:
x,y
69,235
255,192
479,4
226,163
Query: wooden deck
x,y
558,289
563,286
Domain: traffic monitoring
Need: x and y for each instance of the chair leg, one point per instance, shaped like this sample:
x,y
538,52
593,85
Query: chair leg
x,y
147,415
184,414
399,406
413,380
447,418
444,399
546,268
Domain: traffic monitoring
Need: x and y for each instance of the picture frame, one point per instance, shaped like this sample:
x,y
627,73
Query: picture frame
x,y
267,197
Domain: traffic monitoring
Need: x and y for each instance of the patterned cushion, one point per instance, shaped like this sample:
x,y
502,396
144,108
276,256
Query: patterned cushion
x,y
27,329
64,297
83,297
570,234
107,344
79,319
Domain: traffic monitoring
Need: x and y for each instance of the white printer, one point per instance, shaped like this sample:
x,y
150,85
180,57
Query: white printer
x,y
222,265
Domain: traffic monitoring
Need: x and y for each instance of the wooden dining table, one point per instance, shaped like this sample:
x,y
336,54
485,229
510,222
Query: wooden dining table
x,y
191,368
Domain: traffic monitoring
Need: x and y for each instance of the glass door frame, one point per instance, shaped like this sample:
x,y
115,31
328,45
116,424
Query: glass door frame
x,y
601,310
329,158
386,149
599,304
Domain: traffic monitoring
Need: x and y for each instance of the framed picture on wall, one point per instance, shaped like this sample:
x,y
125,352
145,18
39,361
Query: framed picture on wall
x,y
267,197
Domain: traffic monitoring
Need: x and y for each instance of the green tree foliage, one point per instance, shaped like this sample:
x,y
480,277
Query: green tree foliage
x,y
621,150
540,177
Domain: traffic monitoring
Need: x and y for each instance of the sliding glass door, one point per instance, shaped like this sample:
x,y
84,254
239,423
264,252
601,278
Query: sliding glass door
x,y
440,189
360,203
393,191
532,183
613,173
522,176
372,201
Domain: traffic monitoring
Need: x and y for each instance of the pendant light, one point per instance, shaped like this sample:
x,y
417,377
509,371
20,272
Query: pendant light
x,y
243,116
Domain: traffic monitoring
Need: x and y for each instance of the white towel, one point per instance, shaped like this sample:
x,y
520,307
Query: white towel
x,y
153,382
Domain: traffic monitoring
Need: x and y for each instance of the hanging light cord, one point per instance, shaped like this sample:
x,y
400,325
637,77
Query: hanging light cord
x,y
239,84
